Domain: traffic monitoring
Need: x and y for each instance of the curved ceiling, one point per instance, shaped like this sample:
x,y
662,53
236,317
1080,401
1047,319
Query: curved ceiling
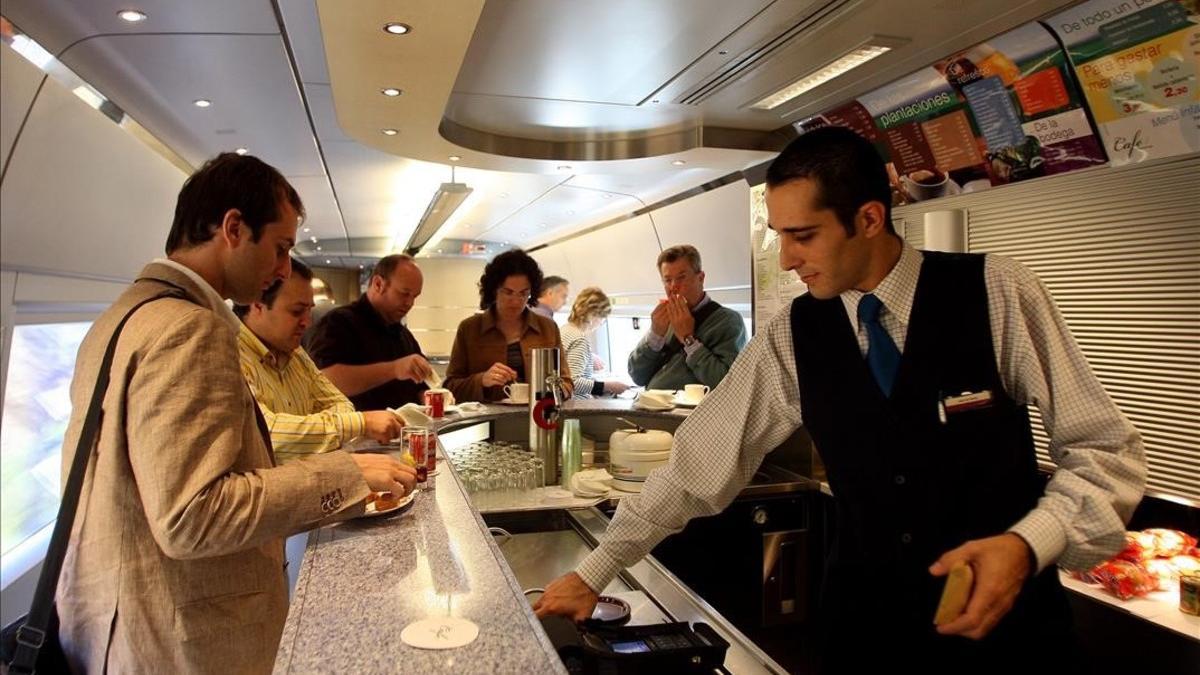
x,y
565,115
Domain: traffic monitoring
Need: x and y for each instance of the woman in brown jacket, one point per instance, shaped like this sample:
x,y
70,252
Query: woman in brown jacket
x,y
492,349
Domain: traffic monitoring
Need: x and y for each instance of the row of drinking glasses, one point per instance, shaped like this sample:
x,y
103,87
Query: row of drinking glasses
x,y
496,472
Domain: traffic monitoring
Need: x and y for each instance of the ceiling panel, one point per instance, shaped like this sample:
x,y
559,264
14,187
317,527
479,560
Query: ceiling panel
x,y
608,52
55,24
321,218
559,212
320,101
304,31
255,103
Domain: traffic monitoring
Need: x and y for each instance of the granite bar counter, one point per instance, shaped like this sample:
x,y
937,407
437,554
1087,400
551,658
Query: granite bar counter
x,y
364,580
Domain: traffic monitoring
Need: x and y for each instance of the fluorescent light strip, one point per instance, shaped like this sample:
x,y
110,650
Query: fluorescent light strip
x,y
816,78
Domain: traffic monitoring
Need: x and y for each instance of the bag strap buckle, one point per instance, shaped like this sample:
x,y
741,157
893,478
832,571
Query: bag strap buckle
x,y
36,637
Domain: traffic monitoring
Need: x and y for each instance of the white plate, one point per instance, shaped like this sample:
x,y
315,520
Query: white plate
x,y
405,501
509,401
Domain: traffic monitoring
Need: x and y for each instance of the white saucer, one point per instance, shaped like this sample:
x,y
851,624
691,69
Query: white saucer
x,y
685,403
509,401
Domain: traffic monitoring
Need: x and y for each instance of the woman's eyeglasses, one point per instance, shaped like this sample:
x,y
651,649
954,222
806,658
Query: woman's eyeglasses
x,y
509,293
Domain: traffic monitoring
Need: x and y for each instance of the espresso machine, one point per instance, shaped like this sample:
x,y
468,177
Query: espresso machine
x,y
545,406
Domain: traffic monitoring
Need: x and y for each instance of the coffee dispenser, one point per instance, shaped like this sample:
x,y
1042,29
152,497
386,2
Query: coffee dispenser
x,y
545,404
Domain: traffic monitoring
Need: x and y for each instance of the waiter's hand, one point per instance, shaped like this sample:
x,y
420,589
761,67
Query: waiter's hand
x,y
682,321
660,318
567,596
1001,564
499,374
413,367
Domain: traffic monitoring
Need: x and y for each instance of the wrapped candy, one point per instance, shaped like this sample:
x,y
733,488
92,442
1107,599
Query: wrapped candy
x,y
1169,543
1186,564
1124,579
1139,546
1164,573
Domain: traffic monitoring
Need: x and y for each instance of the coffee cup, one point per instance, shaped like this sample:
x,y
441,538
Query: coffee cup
x,y
925,183
517,392
694,393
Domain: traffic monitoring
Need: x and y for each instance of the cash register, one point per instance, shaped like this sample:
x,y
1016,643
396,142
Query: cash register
x,y
595,649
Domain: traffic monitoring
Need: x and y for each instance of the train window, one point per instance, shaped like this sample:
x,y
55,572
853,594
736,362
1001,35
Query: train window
x,y
37,407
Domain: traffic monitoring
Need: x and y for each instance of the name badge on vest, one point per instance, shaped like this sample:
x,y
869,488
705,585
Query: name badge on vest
x,y
967,400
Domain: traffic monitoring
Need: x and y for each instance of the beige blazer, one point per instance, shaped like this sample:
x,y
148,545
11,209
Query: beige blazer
x,y
176,556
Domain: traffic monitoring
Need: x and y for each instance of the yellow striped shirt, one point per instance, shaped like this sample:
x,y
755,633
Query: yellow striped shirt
x,y
304,411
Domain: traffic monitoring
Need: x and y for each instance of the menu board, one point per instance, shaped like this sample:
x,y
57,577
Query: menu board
x,y
1003,111
774,287
1137,61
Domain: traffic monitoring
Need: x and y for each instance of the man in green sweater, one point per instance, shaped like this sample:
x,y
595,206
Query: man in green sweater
x,y
692,339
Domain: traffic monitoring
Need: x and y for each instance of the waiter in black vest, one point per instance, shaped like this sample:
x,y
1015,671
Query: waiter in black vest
x,y
912,371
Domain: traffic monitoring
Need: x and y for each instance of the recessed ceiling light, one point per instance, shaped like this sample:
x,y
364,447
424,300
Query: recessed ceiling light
x,y
360,267
454,158
397,28
390,132
679,162
872,48
241,151
390,91
318,248
132,15
308,229
564,167
328,261
202,103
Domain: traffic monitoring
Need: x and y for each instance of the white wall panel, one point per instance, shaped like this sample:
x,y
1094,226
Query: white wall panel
x,y
19,80
82,195
716,223
553,261
618,258
450,294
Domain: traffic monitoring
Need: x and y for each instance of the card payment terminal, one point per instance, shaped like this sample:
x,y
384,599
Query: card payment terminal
x,y
656,648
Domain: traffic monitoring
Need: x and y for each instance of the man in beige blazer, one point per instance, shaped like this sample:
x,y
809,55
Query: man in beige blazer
x,y
176,556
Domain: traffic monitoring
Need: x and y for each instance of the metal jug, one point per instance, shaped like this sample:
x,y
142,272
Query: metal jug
x,y
545,404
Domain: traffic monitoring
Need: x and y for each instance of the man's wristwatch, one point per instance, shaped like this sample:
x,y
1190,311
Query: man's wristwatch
x,y
689,341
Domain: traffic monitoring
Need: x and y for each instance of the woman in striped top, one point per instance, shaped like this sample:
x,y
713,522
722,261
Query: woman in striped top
x,y
589,312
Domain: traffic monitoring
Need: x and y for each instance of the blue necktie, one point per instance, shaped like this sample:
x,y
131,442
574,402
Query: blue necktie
x,y
882,355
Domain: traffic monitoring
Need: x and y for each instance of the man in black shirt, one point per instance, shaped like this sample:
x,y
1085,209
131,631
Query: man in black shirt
x,y
365,350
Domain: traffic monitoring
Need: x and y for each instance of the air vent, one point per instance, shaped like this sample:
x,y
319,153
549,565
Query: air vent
x,y
752,58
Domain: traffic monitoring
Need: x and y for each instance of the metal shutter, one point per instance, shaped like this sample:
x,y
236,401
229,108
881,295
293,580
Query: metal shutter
x,y
1120,251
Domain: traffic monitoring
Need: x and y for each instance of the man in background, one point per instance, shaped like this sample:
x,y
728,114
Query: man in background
x,y
366,350
553,296
305,413
692,338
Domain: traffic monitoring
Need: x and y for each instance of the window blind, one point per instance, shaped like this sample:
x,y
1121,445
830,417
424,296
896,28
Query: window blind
x,y
1119,249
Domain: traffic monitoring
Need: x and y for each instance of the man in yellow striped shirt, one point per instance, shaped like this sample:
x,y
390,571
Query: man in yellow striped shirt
x,y
305,413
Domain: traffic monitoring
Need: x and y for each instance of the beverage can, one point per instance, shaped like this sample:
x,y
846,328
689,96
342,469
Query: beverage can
x,y
1189,593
